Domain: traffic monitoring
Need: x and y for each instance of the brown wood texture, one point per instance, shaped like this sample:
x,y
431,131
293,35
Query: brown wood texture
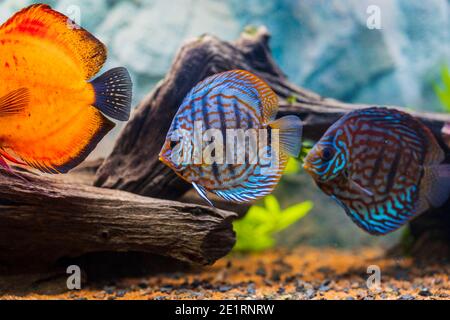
x,y
134,166
44,220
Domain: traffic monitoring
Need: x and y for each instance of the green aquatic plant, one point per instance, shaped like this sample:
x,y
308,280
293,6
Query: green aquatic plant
x,y
251,30
291,99
294,164
442,89
306,148
292,167
255,232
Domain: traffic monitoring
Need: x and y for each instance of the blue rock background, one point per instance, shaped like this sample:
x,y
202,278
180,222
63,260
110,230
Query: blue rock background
x,y
322,45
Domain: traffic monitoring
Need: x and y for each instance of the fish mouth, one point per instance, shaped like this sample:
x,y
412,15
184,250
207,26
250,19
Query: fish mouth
x,y
163,159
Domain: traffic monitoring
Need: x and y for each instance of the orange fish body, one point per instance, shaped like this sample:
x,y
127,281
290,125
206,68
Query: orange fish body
x,y
62,122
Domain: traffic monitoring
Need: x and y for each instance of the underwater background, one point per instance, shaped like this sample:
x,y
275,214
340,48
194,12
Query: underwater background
x,y
322,45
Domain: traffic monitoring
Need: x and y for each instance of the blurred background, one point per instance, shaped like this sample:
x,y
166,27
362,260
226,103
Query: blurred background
x,y
322,45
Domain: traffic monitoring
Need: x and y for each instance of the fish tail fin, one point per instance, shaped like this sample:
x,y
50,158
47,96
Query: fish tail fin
x,y
435,185
14,102
290,134
113,93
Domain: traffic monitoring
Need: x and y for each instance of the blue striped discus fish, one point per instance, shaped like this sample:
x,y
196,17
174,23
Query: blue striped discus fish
x,y
383,166
230,100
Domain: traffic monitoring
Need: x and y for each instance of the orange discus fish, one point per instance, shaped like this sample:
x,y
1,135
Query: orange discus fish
x,y
52,115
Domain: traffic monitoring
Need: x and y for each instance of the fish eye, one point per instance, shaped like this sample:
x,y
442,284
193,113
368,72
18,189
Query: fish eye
x,y
327,154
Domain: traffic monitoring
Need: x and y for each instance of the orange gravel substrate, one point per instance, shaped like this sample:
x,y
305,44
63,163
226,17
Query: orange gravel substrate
x,y
302,273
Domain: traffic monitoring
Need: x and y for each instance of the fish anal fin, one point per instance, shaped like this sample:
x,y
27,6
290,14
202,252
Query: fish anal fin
x,y
41,21
290,134
68,147
257,185
14,102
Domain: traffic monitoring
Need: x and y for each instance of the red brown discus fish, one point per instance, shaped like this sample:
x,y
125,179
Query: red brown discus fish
x,y
51,112
383,166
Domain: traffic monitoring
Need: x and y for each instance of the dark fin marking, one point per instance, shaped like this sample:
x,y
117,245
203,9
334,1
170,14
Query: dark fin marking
x,y
14,102
113,93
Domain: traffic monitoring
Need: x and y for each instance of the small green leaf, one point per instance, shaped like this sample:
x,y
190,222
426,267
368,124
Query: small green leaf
x,y
306,148
251,30
442,89
291,99
261,242
446,78
255,231
257,215
272,205
293,214
292,167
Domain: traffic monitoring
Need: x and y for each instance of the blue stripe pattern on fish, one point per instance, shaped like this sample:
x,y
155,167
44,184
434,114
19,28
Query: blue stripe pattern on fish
x,y
234,99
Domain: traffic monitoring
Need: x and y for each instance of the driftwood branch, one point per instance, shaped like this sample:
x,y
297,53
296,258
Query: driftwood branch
x,y
134,166
43,221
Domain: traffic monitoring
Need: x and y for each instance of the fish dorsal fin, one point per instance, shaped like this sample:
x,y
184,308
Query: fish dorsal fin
x,y
244,82
202,192
269,99
41,21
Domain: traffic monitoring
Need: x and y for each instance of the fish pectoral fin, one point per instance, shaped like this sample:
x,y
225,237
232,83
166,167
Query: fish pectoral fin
x,y
113,93
290,133
10,158
14,102
4,165
202,192
361,188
